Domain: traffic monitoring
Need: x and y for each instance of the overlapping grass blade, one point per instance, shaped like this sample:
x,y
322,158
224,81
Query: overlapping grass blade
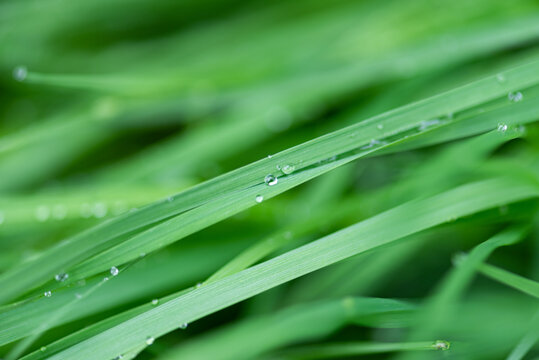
x,y
374,232
247,182
288,326
525,285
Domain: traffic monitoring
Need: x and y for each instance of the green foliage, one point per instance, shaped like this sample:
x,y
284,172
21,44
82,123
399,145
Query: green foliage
x,y
319,161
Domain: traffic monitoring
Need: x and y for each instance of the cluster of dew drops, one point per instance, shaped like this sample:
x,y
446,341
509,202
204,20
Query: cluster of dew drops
x,y
98,210
271,180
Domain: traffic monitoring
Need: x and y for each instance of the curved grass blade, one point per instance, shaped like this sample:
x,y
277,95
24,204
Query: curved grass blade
x,y
288,326
382,229
515,281
247,182
338,350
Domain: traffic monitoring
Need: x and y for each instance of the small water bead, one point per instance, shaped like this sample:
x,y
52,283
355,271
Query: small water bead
x,y
114,271
184,326
500,78
198,285
99,210
155,301
380,126
47,293
270,156
105,279
515,97
119,357
149,340
42,213
43,348
20,73
441,345
61,277
288,169
259,198
78,296
426,124
271,180
370,145
502,128
458,258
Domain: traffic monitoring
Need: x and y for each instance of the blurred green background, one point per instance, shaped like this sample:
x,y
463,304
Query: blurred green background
x,y
106,106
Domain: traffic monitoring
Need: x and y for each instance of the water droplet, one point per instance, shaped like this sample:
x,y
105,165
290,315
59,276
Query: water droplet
x,y
458,258
441,345
500,78
59,212
43,348
47,293
105,279
502,128
370,145
155,301
119,357
170,198
515,97
198,285
426,124
149,340
270,156
142,255
42,213
61,277
20,73
99,210
78,296
259,198
271,180
114,271
380,126
184,326
288,169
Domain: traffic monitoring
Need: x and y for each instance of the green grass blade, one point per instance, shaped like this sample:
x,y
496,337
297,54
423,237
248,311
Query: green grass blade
x,y
515,281
374,232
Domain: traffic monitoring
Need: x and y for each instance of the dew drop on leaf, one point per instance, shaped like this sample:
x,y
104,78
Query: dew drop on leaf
x,y
42,213
61,277
114,271
259,198
515,97
20,73
288,169
271,180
